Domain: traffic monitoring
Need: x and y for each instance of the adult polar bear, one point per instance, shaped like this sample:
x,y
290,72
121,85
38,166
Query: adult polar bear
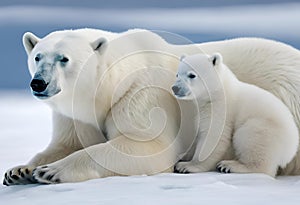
x,y
105,88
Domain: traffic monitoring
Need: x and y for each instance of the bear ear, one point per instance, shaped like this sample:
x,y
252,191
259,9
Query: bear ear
x,y
99,45
29,41
216,59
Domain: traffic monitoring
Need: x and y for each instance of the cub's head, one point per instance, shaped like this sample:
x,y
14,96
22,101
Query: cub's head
x,y
55,62
197,76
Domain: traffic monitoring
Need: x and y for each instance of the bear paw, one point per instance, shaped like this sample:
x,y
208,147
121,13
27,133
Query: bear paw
x,y
224,167
19,176
47,175
188,167
234,166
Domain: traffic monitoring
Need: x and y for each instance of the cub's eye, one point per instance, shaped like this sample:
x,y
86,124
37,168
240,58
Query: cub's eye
x,y
176,75
191,75
64,60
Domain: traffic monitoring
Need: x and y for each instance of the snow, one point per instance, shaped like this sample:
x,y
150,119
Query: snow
x,y
25,129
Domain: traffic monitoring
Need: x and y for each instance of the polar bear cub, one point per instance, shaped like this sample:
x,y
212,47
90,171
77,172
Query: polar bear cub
x,y
258,134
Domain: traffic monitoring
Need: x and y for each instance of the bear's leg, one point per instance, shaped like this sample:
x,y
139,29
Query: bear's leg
x,y
257,149
120,156
64,142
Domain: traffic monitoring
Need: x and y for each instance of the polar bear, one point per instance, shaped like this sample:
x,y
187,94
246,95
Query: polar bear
x,y
259,135
113,110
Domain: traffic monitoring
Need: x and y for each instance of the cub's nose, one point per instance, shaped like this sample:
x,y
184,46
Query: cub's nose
x,y
175,89
38,85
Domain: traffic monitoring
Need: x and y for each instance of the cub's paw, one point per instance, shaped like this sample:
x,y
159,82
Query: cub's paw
x,y
188,167
224,167
47,175
19,176
231,166
181,167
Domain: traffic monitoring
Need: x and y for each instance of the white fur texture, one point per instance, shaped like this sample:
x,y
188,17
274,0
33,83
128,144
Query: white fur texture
x,y
114,100
260,133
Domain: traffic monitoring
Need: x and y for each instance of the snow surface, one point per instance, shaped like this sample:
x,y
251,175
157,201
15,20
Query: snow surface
x,y
25,129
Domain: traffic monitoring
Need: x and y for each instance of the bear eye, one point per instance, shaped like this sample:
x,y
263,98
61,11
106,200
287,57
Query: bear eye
x,y
191,75
176,75
38,57
64,60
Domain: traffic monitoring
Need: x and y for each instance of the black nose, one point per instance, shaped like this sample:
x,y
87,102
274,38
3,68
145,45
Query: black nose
x,y
38,85
175,89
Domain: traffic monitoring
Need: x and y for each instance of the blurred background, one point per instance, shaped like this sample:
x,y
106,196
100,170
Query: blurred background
x,y
197,20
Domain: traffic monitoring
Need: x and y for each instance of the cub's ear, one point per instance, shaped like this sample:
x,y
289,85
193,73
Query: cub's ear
x,y
216,59
99,45
29,41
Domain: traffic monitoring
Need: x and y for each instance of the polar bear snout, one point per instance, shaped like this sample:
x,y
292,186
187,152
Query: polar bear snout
x,y
175,89
180,91
38,85
43,88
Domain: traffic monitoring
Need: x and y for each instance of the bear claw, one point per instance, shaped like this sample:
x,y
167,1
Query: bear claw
x,y
46,175
223,169
17,176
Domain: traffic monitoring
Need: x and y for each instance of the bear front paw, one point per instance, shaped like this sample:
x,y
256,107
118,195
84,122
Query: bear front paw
x,y
188,167
223,167
181,167
46,175
19,176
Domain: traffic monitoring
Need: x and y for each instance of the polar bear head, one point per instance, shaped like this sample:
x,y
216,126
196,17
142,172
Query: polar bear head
x,y
198,76
55,61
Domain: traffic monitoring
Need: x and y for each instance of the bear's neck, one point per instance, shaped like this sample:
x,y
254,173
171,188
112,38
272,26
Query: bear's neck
x,y
230,86
220,100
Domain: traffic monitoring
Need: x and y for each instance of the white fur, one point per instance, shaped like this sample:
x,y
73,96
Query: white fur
x,y
260,133
120,90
